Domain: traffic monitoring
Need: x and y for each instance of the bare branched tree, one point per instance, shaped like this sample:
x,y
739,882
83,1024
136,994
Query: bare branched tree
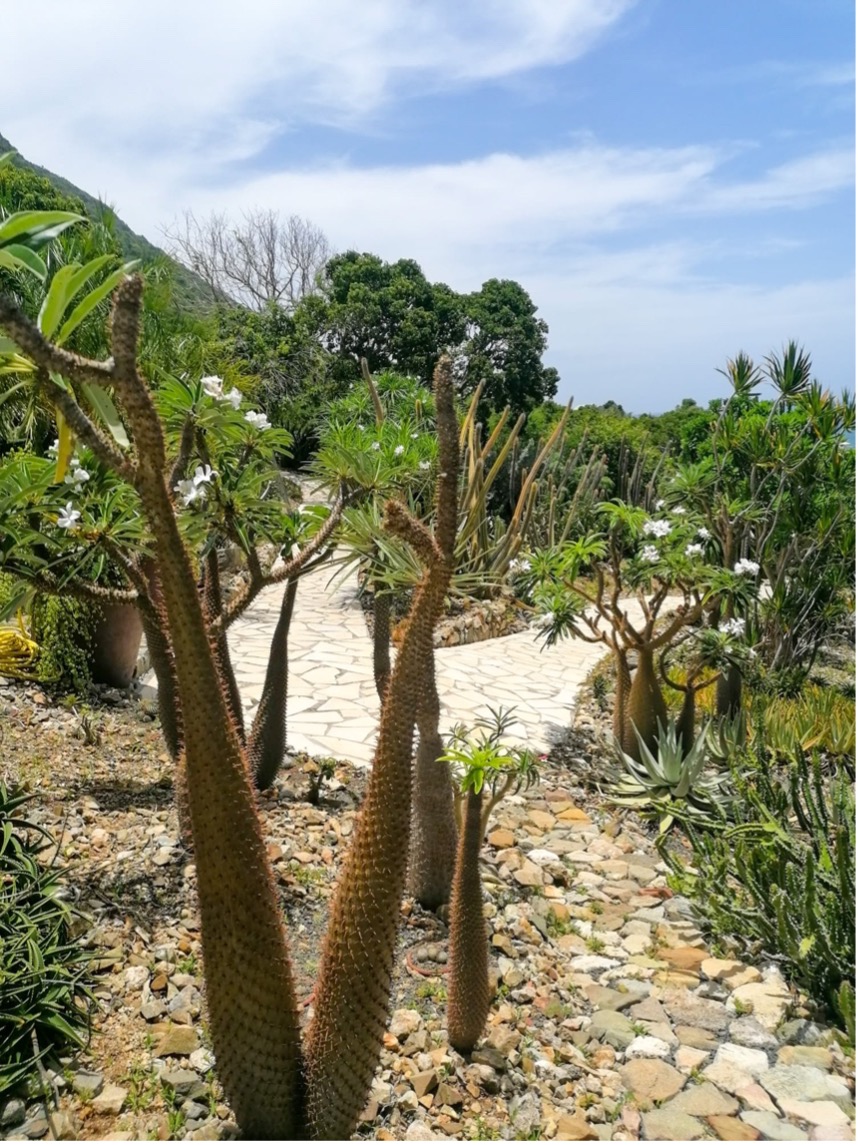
x,y
258,260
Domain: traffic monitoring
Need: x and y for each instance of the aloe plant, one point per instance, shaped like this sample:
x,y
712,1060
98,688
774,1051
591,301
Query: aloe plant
x,y
669,780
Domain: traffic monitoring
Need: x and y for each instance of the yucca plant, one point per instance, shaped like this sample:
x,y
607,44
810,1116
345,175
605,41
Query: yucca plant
x,y
45,999
669,781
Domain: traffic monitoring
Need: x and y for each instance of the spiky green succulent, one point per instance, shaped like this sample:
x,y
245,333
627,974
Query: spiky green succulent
x,y
670,782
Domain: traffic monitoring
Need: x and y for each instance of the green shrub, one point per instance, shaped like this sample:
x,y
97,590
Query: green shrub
x,y
44,998
782,882
64,630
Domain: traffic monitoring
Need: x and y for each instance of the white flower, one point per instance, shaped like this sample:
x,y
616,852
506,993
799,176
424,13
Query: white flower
x,y
213,386
55,448
257,420
189,491
693,550
233,397
519,564
376,445
744,567
415,435
678,511
77,477
703,533
423,465
203,474
400,449
659,505
734,627
361,426
649,553
68,516
656,528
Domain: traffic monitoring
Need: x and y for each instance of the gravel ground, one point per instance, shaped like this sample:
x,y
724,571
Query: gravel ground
x,y
613,1021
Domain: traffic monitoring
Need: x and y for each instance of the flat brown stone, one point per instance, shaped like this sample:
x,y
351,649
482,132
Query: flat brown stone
x,y
571,1127
178,1042
685,957
542,819
732,1129
651,1080
501,837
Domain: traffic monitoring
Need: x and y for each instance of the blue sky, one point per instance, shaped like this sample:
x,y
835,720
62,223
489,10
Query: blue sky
x,y
672,180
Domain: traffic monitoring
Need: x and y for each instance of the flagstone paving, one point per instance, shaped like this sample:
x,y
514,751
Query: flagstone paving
x,y
333,705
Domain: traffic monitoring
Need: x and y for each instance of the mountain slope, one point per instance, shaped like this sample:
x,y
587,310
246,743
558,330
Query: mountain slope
x,y
189,290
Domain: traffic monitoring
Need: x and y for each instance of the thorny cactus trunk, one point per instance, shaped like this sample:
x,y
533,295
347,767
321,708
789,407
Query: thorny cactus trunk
x,y
468,991
380,640
353,989
433,821
621,693
161,659
267,744
645,707
728,693
248,974
212,607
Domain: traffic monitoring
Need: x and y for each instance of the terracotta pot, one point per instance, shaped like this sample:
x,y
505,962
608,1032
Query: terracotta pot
x,y
116,645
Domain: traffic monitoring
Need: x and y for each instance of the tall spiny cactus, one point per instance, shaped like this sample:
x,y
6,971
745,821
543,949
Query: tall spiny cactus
x,y
267,743
433,842
353,989
469,995
249,983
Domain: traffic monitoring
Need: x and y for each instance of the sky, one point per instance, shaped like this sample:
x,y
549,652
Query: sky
x,y
671,180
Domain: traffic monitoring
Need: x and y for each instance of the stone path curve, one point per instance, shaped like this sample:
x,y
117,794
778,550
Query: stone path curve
x,y
333,706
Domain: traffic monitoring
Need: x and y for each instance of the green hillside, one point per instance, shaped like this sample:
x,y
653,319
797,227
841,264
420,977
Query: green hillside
x,y
189,290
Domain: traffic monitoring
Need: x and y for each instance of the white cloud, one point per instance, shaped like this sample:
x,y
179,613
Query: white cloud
x,y
797,183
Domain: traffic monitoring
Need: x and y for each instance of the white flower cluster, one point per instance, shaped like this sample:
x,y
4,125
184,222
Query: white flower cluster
x,y
703,533
400,449
213,386
423,465
744,567
656,528
694,550
194,488
678,511
732,627
519,565
78,476
649,553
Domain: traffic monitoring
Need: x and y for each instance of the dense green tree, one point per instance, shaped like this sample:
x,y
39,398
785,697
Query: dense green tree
x,y
505,344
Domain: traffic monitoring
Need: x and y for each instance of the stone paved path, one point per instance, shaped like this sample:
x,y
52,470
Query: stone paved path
x,y
333,706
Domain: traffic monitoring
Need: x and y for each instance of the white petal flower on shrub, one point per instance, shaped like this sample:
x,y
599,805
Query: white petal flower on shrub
x,y
68,517
257,420
659,505
678,511
745,567
400,449
703,533
656,528
423,465
519,564
212,385
732,627
361,426
55,448
233,397
414,436
649,553
189,491
203,474
77,477
693,550
376,445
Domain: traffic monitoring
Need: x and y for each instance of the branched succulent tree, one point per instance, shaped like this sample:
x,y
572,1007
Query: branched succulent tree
x,y
277,1088
584,589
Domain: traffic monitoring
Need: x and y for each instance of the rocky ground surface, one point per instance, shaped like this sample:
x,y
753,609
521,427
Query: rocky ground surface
x,y
613,1019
